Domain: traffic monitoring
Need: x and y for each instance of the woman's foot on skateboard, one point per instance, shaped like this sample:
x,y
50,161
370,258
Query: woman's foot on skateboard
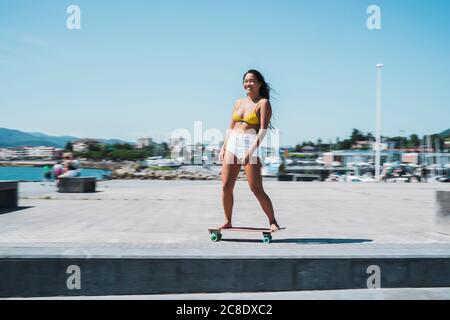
x,y
274,227
226,225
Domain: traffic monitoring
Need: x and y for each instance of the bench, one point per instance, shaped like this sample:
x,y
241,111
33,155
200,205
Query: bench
x,y
76,184
307,177
299,177
285,177
443,201
8,194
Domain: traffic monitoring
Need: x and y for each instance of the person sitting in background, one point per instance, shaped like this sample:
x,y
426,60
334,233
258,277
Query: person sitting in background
x,y
47,174
423,173
71,166
58,169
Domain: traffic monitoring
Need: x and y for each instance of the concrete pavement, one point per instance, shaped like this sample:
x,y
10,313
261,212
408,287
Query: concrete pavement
x,y
331,228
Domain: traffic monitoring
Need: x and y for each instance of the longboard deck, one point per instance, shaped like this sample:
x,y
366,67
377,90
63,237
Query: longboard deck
x,y
216,234
245,229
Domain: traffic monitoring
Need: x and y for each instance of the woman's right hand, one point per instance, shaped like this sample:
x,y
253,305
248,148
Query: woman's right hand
x,y
222,154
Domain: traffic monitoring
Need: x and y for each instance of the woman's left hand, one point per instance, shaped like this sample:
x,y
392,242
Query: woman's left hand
x,y
245,158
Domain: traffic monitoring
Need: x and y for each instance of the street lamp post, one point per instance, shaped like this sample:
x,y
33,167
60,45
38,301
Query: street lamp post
x,y
378,125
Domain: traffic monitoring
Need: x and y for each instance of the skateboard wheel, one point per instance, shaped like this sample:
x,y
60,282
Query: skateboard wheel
x,y
216,237
267,239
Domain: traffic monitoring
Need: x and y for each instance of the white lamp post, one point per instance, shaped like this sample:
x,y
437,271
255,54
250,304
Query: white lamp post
x,y
378,125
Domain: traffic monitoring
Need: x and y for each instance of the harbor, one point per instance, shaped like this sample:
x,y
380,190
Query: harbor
x,y
337,166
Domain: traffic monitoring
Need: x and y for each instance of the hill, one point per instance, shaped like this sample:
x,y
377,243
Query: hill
x,y
16,138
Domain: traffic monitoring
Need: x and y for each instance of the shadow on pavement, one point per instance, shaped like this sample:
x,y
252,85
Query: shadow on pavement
x,y
305,240
96,191
9,210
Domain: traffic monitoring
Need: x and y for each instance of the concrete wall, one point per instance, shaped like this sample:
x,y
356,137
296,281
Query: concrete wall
x,y
49,277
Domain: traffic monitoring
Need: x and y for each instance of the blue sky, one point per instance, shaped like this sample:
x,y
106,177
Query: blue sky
x,y
146,68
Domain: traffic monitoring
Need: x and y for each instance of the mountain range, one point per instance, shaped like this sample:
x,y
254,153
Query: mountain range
x,y
445,134
15,138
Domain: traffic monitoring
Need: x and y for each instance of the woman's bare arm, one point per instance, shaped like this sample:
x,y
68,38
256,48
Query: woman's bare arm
x,y
232,123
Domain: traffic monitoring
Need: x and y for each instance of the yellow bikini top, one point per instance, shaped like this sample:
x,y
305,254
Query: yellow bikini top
x,y
252,118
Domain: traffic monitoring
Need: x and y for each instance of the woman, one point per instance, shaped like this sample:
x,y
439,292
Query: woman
x,y
71,166
249,123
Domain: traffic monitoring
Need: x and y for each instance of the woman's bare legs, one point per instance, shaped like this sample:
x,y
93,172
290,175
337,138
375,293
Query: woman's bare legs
x,y
230,172
254,178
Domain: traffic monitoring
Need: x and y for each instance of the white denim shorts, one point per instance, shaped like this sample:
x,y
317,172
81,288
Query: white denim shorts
x,y
240,143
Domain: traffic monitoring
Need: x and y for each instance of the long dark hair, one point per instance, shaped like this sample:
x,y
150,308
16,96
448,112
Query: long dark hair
x,y
265,89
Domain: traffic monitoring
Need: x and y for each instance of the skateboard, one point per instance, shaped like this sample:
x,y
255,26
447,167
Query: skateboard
x,y
216,234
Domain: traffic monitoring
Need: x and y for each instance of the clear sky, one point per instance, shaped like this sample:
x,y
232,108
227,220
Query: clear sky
x,y
146,68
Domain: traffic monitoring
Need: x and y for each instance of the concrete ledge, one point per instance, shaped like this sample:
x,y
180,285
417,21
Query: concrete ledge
x,y
76,184
285,177
8,194
350,294
40,277
443,200
299,177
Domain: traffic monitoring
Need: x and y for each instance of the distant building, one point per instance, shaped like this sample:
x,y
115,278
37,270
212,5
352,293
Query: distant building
x,y
79,147
143,143
11,153
83,144
363,145
212,152
447,143
310,149
58,153
370,145
177,146
195,152
418,149
41,152
346,157
412,157
19,152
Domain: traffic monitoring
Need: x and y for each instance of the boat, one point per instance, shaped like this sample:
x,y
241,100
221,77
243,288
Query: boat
x,y
159,161
363,178
271,167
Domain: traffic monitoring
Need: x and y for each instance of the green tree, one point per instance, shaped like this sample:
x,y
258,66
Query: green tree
x,y
125,146
319,143
400,142
69,146
357,136
94,147
345,144
370,137
94,155
414,140
124,154
150,150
